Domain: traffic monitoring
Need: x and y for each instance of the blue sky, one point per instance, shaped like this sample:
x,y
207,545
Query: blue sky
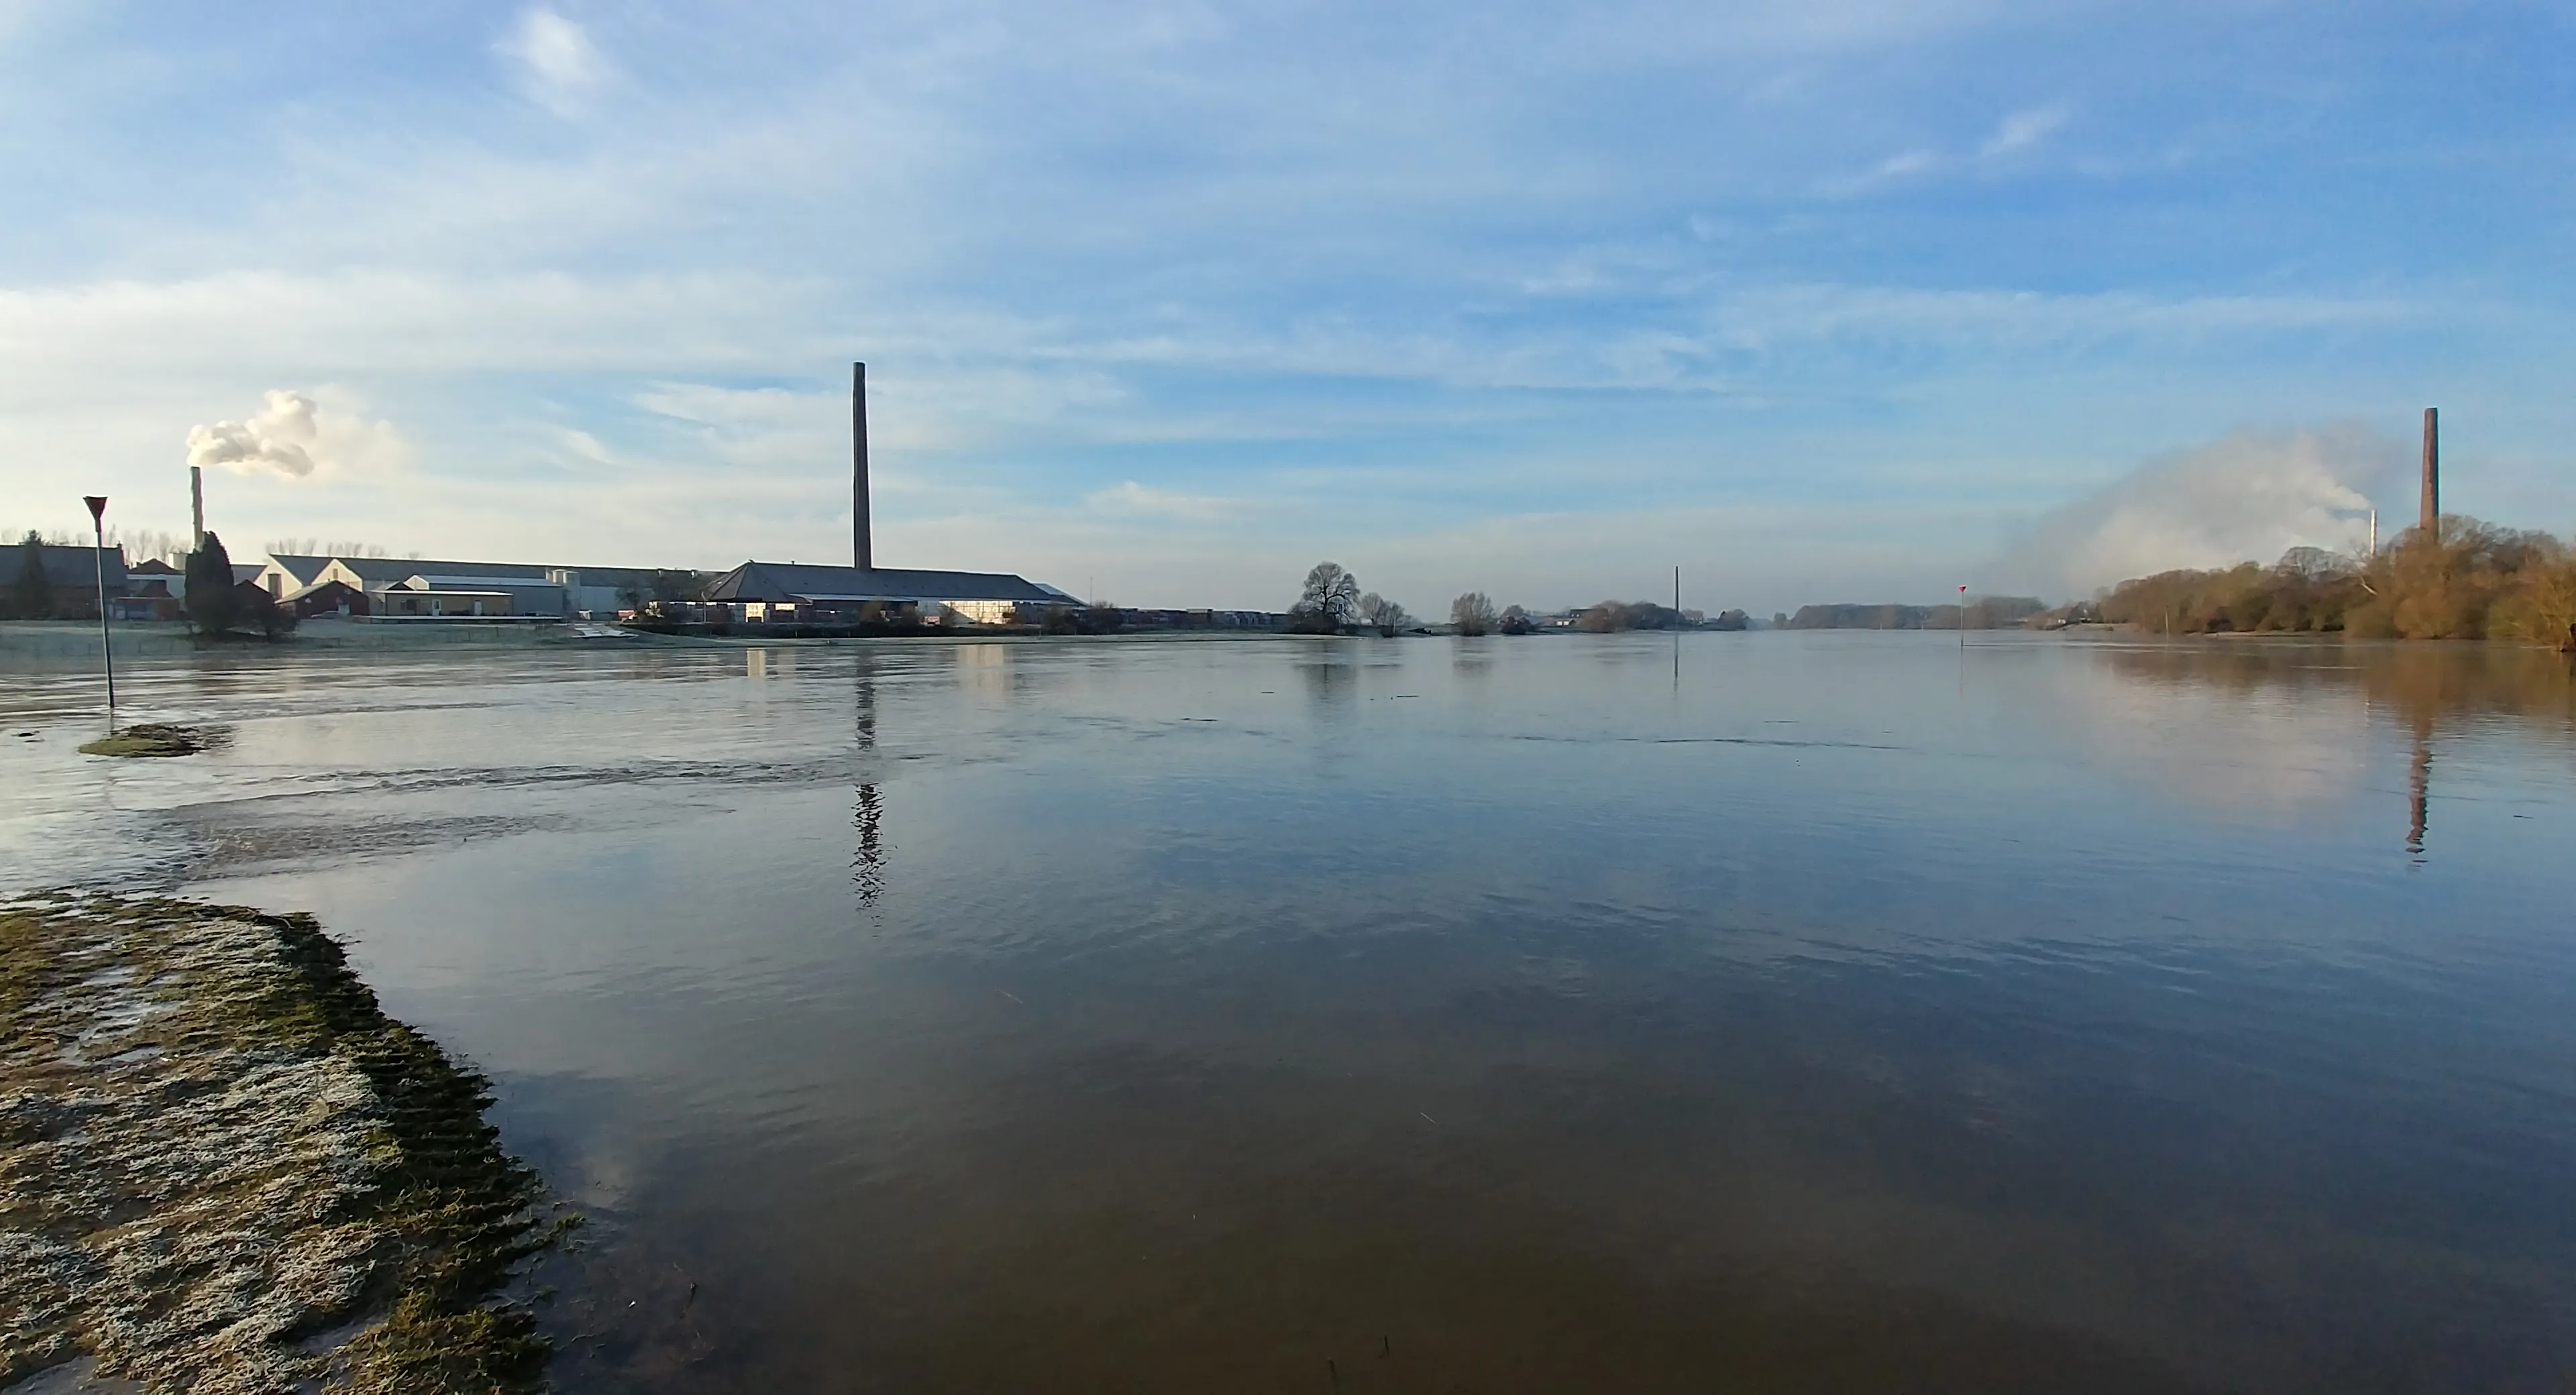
x,y
1821,299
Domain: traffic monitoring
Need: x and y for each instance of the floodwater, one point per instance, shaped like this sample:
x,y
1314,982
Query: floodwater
x,y
1805,1011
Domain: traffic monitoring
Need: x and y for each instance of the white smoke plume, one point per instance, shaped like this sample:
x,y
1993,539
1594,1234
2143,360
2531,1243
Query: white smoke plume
x,y
296,437
2247,497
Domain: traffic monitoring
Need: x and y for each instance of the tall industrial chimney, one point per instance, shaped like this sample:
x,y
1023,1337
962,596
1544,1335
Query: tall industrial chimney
x,y
2432,524
862,554
196,509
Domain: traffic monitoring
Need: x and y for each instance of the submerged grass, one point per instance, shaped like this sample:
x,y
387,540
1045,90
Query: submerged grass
x,y
215,1148
153,739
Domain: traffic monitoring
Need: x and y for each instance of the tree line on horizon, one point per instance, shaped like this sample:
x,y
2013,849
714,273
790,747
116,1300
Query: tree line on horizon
x,y
1331,602
2470,580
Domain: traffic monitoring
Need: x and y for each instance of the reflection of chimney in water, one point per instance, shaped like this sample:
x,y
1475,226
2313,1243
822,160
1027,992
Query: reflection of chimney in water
x,y
2432,521
867,863
2419,780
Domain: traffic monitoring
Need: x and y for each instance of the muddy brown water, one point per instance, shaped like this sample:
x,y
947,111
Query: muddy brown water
x,y
1771,1011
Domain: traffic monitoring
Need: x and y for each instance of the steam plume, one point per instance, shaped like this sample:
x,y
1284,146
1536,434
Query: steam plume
x,y
295,437
2245,497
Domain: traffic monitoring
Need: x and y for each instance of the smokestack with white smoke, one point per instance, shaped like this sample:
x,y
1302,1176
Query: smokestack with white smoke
x,y
2247,497
293,436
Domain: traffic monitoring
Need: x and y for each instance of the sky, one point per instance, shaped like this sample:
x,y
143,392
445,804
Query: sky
x,y
1819,300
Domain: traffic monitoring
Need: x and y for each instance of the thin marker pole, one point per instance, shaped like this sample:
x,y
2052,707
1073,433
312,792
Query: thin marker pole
x,y
98,557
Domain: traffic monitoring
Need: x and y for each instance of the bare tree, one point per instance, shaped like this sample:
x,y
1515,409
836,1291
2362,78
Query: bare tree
x,y
1384,615
1330,600
149,544
1473,614
1516,621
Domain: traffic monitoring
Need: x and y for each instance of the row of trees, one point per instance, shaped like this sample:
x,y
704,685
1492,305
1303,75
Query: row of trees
x,y
1332,601
2473,580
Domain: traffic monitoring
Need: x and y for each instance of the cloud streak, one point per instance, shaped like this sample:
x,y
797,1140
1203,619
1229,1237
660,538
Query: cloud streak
x,y
556,64
2023,130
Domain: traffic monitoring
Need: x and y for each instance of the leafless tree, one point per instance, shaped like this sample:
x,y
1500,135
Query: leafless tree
x,y
1331,599
1385,615
1473,614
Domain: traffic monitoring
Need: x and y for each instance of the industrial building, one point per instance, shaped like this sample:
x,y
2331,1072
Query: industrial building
x,y
416,588
759,593
787,592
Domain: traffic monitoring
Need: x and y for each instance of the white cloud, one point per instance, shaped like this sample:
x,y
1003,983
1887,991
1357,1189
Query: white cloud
x,y
559,68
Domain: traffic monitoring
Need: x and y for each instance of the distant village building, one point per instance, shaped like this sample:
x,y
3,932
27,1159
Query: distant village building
x,y
448,596
327,598
71,577
154,590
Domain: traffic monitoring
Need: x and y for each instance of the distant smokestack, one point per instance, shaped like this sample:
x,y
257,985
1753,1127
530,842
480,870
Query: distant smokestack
x,y
196,508
2432,524
862,553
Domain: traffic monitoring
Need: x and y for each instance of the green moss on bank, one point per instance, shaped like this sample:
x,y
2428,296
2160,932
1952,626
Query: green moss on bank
x,y
215,1146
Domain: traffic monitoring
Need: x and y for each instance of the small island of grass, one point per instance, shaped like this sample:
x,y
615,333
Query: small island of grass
x,y
153,739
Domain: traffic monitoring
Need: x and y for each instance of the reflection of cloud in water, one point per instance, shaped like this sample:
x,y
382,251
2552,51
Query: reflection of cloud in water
x,y
2269,729
2268,752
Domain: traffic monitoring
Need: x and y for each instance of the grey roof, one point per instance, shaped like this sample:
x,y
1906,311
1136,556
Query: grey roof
x,y
314,588
66,566
787,581
300,569
379,572
248,571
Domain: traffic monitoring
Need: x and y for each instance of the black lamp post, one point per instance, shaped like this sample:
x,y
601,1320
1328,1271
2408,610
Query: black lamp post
x,y
98,530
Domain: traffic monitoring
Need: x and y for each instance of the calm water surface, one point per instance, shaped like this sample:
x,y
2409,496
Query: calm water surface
x,y
1773,1011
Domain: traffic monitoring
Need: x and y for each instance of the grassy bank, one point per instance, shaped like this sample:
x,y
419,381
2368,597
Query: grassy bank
x,y
223,1168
